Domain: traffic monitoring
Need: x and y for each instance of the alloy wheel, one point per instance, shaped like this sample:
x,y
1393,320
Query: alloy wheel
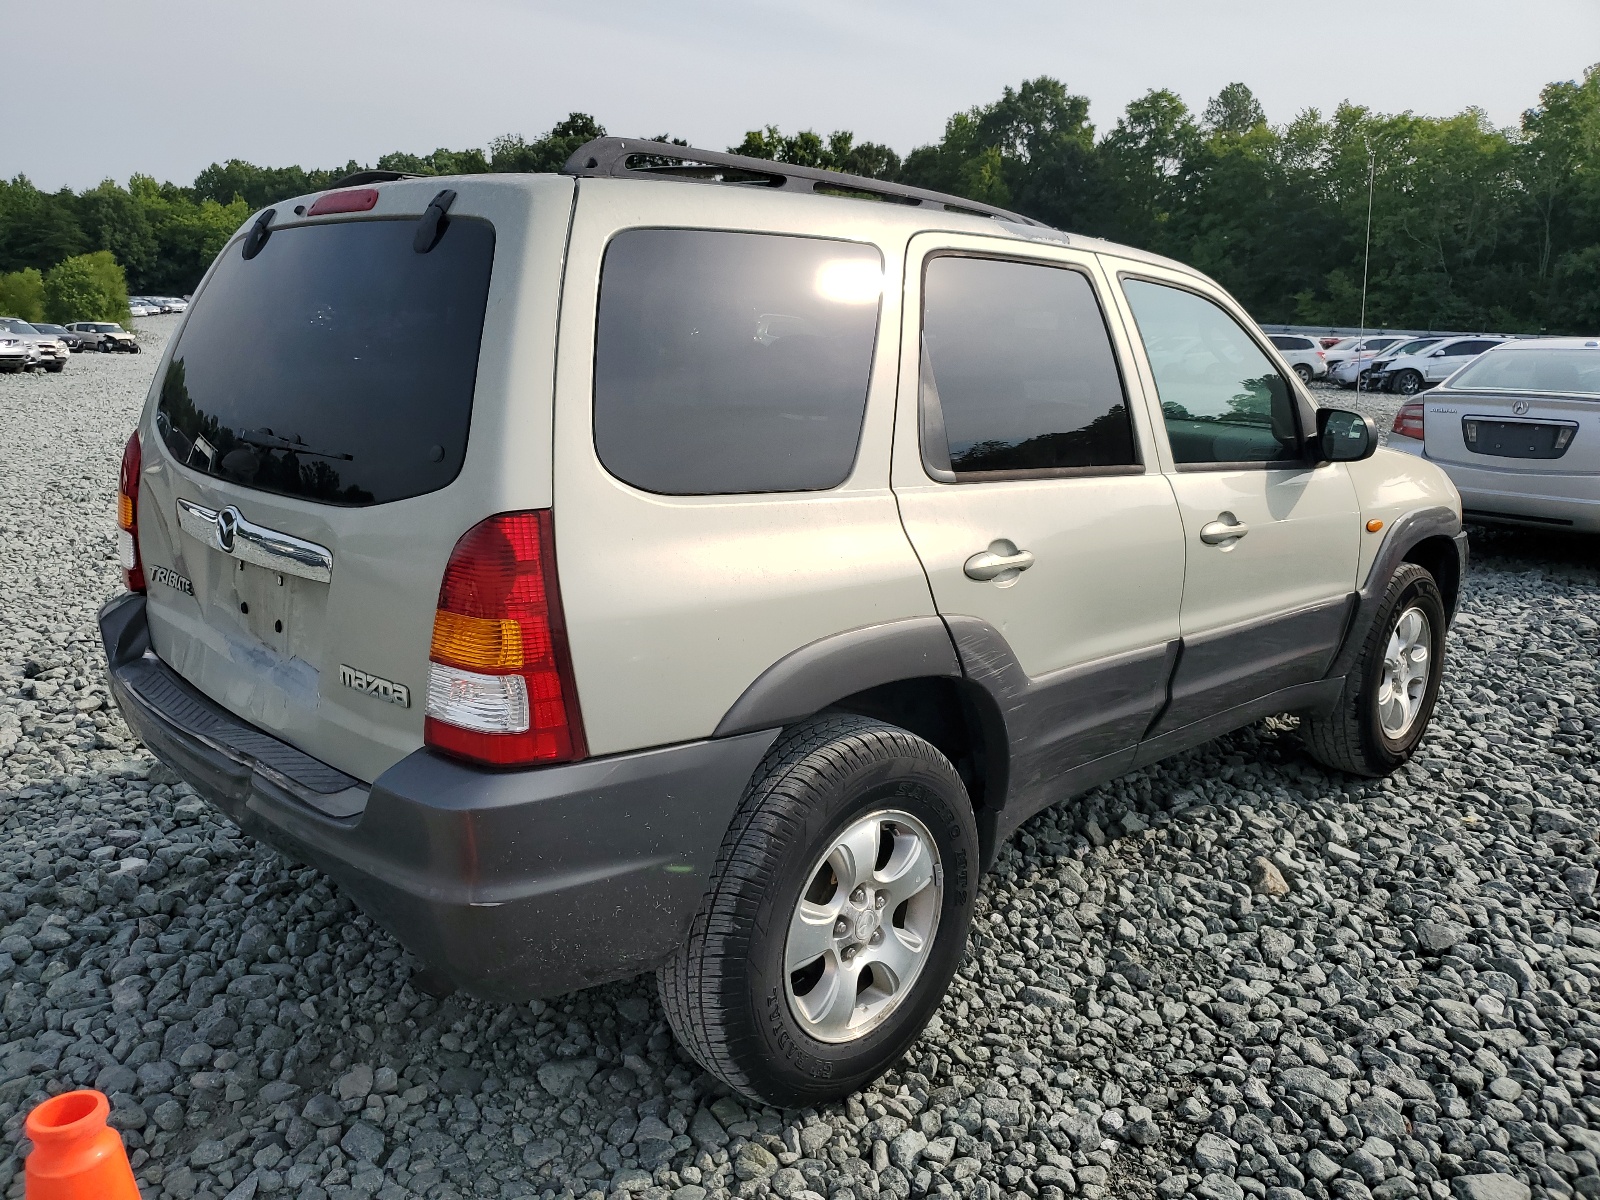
x,y
863,928
1407,661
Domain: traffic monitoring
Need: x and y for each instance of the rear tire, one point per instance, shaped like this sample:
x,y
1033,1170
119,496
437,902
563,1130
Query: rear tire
x,y
1304,372
1407,383
1385,707
747,994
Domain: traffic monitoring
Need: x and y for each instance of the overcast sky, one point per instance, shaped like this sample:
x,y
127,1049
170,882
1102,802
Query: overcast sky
x,y
167,86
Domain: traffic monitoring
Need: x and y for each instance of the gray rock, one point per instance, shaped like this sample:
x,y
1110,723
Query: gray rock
x,y
1437,936
1044,998
907,1148
707,1133
362,1142
1275,943
356,1083
207,1153
562,1079
754,1162
323,1111
1490,1187
1216,1186
1213,1153
1316,1082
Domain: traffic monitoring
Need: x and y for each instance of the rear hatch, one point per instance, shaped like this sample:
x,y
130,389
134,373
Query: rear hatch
x,y
335,411
1523,409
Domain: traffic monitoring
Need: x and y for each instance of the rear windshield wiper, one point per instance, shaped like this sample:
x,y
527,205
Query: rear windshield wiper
x,y
267,440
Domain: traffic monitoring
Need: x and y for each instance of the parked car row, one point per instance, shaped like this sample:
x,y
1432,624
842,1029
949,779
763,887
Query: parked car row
x,y
37,346
1385,362
40,351
151,306
1516,426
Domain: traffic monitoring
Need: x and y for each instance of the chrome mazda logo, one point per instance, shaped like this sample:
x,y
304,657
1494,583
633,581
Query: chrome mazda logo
x,y
1519,407
227,526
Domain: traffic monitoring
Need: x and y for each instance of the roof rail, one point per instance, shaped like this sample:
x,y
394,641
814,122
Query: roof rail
x,y
356,179
621,158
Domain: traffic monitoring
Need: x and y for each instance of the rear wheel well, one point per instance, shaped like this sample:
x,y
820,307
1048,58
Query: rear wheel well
x,y
956,717
1438,556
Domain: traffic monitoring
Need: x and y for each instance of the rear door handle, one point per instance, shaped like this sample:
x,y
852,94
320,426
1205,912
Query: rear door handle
x,y
1002,561
1223,531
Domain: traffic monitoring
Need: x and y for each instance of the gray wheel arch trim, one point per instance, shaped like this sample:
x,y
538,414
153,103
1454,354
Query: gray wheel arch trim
x,y
816,675
1404,534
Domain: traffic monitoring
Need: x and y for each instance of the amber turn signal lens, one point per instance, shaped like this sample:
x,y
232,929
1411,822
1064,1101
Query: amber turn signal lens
x,y
124,511
481,643
1374,525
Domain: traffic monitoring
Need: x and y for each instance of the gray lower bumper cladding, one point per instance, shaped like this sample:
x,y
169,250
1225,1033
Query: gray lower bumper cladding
x,y
511,884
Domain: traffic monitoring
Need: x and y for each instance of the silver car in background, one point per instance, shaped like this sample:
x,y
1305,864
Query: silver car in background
x,y
1518,431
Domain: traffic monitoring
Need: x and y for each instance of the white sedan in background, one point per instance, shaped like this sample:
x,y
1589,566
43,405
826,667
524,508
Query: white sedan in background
x,y
1518,431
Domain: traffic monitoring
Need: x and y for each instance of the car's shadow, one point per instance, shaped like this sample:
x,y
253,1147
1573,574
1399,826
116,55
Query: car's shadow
x,y
1563,555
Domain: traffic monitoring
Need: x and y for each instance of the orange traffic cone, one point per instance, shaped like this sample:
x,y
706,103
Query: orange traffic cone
x,y
76,1155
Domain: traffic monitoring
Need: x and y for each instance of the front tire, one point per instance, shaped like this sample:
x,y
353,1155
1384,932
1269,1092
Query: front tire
x,y
1407,383
836,913
1390,693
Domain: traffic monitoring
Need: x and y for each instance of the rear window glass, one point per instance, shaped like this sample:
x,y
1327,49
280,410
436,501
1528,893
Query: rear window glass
x,y
337,365
733,362
1533,371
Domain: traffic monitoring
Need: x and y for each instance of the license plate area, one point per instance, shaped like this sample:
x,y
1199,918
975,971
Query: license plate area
x,y
1517,439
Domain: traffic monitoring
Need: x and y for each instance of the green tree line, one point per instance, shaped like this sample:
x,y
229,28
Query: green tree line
x,y
1473,226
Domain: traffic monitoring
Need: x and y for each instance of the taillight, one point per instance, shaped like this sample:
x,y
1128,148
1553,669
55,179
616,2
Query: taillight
x,y
500,686
1408,421
128,516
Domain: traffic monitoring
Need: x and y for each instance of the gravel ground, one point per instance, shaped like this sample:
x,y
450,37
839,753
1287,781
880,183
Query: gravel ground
x,y
1230,975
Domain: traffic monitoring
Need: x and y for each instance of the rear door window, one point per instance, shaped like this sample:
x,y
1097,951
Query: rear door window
x,y
1018,374
733,363
338,365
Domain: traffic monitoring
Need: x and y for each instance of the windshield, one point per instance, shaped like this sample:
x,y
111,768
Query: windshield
x,y
1575,371
105,328
1413,346
1344,344
12,325
337,365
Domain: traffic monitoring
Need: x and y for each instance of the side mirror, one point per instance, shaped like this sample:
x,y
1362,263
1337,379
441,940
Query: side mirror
x,y
1437,354
1344,436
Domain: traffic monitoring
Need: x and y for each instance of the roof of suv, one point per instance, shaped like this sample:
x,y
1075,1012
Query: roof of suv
x,y
647,164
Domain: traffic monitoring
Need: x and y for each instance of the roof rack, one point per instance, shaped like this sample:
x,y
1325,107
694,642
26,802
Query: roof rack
x,y
359,177
622,158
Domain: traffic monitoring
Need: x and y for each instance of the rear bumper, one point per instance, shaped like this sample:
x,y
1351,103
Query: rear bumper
x,y
510,884
1536,499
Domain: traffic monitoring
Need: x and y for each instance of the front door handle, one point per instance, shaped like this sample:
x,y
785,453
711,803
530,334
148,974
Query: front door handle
x,y
1225,530
1001,562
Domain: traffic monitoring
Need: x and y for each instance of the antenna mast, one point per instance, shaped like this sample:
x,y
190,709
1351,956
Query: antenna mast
x,y
1366,260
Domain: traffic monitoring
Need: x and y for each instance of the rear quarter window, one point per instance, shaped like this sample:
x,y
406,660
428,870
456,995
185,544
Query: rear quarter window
x,y
733,363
